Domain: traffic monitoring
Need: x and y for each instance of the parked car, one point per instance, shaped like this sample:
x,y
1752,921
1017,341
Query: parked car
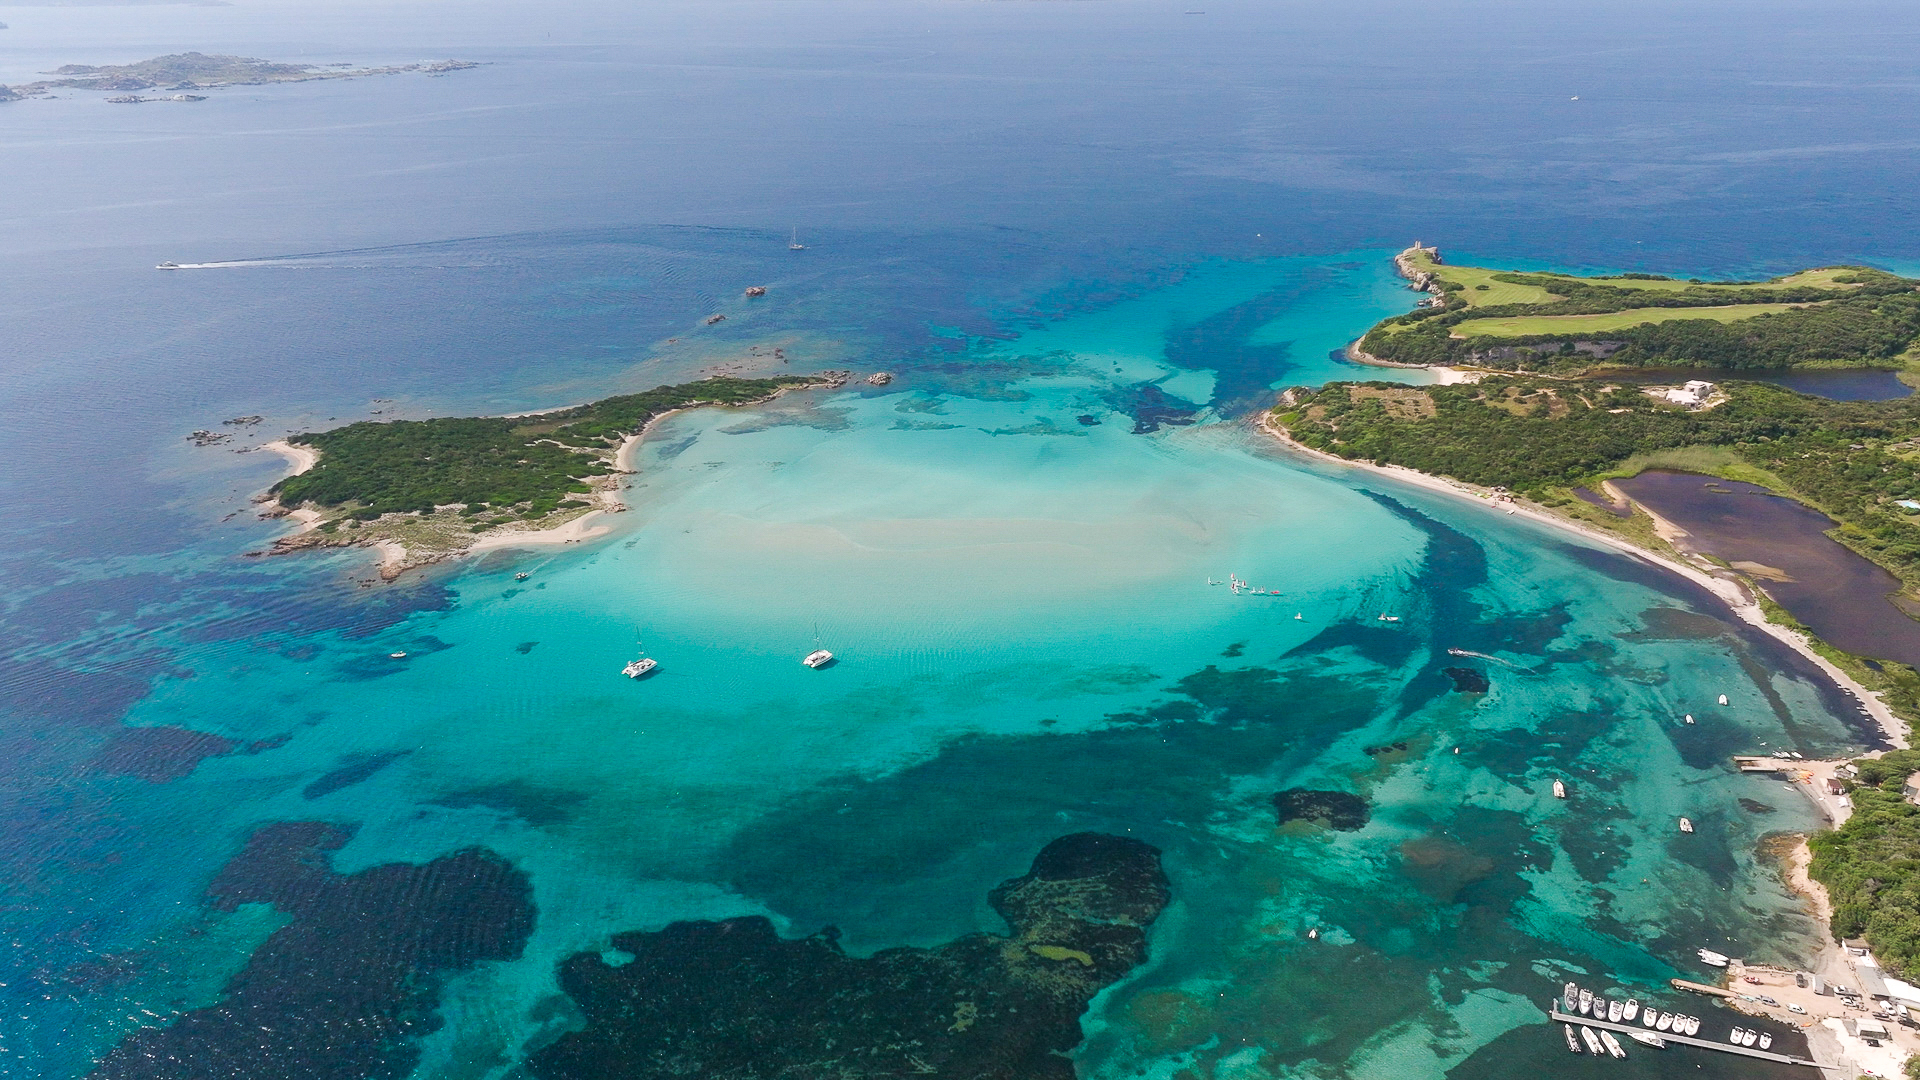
x,y
1796,1008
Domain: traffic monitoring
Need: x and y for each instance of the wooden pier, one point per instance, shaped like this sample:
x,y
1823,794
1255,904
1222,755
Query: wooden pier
x,y
1705,1044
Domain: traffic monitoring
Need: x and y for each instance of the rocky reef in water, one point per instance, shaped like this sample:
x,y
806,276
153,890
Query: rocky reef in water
x,y
1468,680
1339,810
733,999
347,988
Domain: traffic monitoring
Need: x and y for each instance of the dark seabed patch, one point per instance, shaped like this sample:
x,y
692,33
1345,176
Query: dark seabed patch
x,y
358,767
347,988
540,807
1342,811
159,754
1152,407
733,999
525,647
1755,806
1468,680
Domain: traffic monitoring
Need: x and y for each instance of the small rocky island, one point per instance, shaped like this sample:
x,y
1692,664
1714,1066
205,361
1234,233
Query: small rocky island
x,y
181,73
425,490
734,999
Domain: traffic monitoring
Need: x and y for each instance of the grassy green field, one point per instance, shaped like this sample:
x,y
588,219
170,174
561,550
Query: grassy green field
x,y
1820,278
1721,461
1470,278
1523,325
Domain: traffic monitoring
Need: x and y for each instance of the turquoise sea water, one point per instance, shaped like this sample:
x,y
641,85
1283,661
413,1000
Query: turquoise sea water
x,y
1031,214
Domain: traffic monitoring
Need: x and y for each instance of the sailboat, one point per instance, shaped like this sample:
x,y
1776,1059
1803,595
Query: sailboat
x,y
819,657
795,244
640,668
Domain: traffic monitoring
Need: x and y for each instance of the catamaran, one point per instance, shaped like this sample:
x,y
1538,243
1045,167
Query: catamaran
x,y
818,658
641,668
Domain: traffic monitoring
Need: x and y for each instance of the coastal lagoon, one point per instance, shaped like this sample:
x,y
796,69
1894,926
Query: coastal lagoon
x,y
224,788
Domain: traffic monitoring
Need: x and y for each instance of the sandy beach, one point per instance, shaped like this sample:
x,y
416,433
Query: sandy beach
x,y
301,458
1733,593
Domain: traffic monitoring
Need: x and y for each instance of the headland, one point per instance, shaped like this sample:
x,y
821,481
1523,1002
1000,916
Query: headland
x,y
199,71
421,491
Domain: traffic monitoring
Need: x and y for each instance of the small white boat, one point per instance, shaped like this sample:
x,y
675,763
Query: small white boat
x,y
818,658
1313,934
1298,617
1632,1010
1613,1044
1686,825
1750,1038
1571,999
1593,1041
795,244
1693,1026
1573,1041
1665,1023
1689,718
168,266
1738,1038
1559,790
1586,1001
1614,1009
1723,699
1766,1042
522,576
1649,1016
641,668
1713,959
1648,1038
1389,618
398,655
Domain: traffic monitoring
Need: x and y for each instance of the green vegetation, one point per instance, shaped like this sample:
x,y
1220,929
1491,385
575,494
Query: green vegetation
x,y
186,71
1871,864
430,485
1549,325
1563,324
1541,437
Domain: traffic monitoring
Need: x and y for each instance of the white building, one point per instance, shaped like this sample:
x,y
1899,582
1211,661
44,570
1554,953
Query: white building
x,y
1692,395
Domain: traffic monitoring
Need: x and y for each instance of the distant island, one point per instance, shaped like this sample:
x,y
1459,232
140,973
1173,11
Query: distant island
x,y
198,71
425,490
1562,324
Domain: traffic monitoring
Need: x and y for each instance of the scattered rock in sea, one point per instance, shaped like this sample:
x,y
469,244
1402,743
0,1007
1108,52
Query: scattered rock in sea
x,y
756,290
1468,680
879,378
711,319
1342,811
732,998
1088,420
204,437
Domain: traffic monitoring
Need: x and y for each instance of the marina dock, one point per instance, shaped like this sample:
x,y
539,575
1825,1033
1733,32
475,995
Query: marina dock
x,y
1705,1044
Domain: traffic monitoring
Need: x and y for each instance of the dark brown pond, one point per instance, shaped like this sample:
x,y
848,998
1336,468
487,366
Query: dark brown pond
x,y
1841,596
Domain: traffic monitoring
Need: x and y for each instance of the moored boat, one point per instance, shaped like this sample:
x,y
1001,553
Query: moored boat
x,y
818,658
1593,1041
1750,1038
1613,1044
1736,1036
1723,699
1766,1041
1649,1015
1586,1001
1570,1000
1686,825
1559,790
1648,1038
1693,1026
1711,958
1665,1023
1573,1041
1614,1009
1631,1010
641,668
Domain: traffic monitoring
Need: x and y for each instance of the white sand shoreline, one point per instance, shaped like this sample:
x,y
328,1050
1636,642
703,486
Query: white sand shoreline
x,y
1732,593
301,458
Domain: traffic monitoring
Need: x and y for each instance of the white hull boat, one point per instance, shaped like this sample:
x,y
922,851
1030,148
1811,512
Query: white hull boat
x,y
1593,1042
1648,1038
1613,1044
1632,1010
818,659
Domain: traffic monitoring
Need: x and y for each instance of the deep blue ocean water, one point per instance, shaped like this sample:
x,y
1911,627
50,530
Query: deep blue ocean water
x,y
1030,213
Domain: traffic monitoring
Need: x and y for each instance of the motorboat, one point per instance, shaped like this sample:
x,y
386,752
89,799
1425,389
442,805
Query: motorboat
x,y
1648,1016
397,655
1665,1023
1571,999
818,659
522,576
1648,1038
1693,1026
1573,1041
1689,718
1631,1010
1593,1041
1749,1038
1599,1007
1586,1001
1559,790
1613,1044
1686,825
641,668
1389,618
1766,1041
1713,959
1614,1009
1723,699
168,266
